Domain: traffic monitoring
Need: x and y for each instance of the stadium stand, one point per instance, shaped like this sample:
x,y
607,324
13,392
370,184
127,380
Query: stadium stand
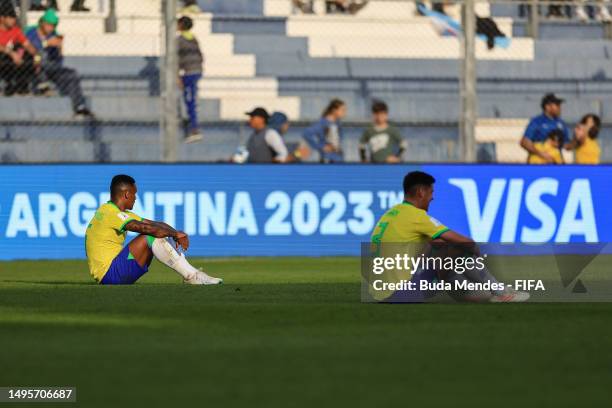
x,y
261,53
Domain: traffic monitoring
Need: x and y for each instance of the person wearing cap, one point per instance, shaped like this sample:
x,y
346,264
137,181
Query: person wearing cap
x,y
48,42
540,127
191,63
265,145
19,60
298,151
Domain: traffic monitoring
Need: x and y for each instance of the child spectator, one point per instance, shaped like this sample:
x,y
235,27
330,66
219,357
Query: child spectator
x,y
552,146
585,136
191,63
325,136
383,140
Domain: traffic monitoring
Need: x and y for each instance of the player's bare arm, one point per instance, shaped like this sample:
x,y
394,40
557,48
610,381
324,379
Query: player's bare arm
x,y
455,238
159,230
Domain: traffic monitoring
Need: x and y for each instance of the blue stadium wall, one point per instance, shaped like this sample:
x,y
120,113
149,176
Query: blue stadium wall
x,y
309,210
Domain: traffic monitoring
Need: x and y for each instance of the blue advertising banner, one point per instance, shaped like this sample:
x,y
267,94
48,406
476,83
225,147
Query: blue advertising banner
x,y
310,210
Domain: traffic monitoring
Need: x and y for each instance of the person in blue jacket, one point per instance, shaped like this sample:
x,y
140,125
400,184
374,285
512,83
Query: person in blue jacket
x,y
325,136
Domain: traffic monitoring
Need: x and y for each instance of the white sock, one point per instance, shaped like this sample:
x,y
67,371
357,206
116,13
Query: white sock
x,y
169,256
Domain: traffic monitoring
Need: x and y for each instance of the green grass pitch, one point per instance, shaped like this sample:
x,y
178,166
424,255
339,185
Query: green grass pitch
x,y
290,332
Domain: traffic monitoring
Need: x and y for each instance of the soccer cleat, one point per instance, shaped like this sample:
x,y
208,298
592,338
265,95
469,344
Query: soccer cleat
x,y
200,278
510,296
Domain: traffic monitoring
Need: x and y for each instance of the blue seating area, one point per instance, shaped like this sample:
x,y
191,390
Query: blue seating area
x,y
423,93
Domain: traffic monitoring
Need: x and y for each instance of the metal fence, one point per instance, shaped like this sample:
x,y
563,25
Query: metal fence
x,y
453,96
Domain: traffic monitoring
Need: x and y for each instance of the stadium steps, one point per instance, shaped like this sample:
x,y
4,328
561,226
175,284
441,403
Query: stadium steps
x,y
571,49
29,108
387,9
33,150
268,45
356,36
563,30
242,7
133,108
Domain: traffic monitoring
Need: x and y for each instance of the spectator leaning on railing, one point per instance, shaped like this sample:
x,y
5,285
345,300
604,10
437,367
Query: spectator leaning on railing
x,y
585,139
19,60
325,136
540,127
265,145
48,43
384,141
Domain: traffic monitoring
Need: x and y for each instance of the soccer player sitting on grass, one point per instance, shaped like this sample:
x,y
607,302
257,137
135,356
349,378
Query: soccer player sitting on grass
x,y
110,263
409,222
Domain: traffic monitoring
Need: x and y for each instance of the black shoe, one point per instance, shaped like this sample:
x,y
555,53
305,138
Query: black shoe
x,y
84,112
37,7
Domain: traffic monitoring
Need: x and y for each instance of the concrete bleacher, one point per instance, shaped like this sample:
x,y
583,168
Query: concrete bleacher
x,y
258,52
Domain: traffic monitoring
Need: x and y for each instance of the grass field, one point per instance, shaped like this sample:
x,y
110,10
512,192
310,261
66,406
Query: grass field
x,y
290,332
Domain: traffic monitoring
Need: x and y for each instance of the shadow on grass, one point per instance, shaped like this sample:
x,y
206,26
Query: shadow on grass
x,y
50,282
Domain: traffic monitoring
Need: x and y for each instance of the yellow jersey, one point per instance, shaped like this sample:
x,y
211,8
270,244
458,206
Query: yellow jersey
x,y
402,224
547,147
105,237
407,223
588,152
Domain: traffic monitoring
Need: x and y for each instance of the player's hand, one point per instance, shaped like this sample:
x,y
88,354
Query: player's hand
x,y
181,239
392,159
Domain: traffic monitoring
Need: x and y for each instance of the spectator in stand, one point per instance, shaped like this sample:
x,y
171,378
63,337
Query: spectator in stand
x,y
79,5
325,136
551,146
344,6
331,6
585,139
265,145
48,43
299,151
190,7
384,141
191,64
305,6
279,122
540,127
42,5
603,15
18,58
